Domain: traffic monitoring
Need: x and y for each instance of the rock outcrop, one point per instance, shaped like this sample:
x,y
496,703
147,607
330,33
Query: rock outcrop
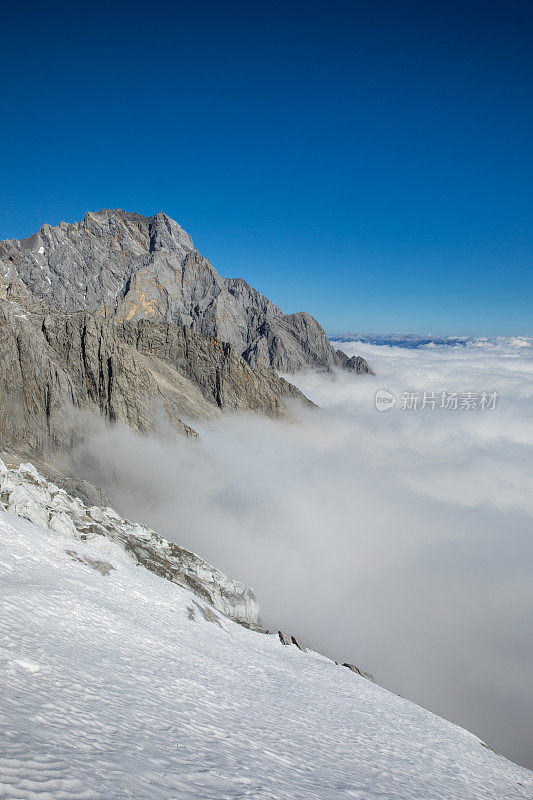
x,y
360,672
288,639
23,491
130,267
148,374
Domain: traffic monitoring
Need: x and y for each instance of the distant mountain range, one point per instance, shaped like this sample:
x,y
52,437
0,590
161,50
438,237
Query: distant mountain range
x,y
413,341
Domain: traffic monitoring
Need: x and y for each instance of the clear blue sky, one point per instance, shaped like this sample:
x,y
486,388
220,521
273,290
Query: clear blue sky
x,y
370,162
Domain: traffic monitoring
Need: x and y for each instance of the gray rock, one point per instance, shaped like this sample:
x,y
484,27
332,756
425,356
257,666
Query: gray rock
x,y
298,644
360,672
284,638
103,567
208,614
288,639
355,364
131,267
147,374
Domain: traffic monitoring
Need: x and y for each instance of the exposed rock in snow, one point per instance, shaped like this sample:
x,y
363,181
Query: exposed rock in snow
x,y
358,671
284,638
288,639
103,567
25,492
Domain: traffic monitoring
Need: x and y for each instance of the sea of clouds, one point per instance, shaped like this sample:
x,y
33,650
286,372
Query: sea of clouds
x,y
400,541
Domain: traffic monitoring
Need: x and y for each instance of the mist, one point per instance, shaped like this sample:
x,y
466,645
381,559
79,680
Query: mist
x,y
400,541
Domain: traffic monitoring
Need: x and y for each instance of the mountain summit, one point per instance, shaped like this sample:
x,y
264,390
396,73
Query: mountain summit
x,y
131,267
120,315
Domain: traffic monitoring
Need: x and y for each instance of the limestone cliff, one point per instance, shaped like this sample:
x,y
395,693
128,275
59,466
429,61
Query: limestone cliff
x,y
148,374
132,267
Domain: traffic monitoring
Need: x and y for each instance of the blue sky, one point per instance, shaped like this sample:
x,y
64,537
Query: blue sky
x,y
368,162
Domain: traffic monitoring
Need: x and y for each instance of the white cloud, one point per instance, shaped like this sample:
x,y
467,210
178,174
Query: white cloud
x,y
400,541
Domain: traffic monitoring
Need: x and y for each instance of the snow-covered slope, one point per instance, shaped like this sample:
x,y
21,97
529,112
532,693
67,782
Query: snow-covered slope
x,y
23,491
119,685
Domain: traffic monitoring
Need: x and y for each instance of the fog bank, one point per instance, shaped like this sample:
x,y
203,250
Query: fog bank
x,y
401,541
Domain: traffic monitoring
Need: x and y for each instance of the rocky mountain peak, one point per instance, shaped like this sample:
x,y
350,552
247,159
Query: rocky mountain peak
x,y
123,264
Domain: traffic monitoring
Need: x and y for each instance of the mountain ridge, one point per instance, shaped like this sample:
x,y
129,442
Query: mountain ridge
x,y
130,266
57,369
120,315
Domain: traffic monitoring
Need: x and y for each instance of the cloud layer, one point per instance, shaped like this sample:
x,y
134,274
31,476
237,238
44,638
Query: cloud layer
x,y
400,541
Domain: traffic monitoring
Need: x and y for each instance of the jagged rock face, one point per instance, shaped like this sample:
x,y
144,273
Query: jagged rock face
x,y
25,492
355,364
132,267
86,264
146,374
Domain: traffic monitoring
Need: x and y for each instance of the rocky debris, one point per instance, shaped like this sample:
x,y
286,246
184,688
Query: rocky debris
x,y
23,491
207,613
103,567
360,672
132,267
222,376
288,639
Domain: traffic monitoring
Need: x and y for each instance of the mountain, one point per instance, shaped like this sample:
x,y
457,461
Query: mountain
x,y
413,341
410,341
130,267
119,316
119,684
145,374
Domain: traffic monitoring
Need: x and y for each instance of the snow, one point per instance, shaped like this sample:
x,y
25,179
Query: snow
x,y
28,665
116,687
415,341
28,494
